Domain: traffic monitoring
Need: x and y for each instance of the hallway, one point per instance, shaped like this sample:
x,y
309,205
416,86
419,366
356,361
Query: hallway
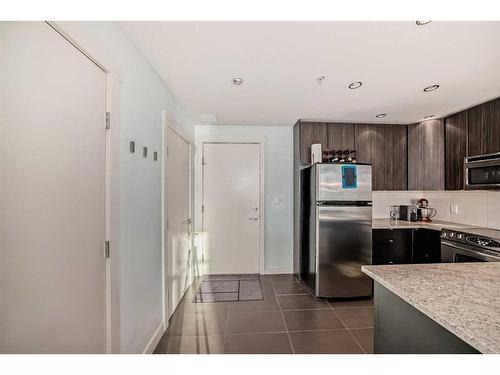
x,y
288,320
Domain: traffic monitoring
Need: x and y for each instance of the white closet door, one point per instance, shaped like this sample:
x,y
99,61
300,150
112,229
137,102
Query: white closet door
x,y
178,217
52,194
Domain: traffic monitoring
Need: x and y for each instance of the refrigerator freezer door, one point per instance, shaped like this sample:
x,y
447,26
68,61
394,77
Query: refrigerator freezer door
x,y
343,182
344,244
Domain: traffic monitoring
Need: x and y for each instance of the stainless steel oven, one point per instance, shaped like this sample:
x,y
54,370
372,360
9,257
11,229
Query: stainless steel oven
x,y
459,247
482,172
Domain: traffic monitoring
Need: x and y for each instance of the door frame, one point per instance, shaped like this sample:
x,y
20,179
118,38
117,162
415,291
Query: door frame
x,y
199,216
112,178
166,256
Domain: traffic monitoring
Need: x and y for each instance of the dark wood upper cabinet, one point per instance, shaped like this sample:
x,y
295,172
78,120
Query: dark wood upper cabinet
x,y
311,133
426,155
494,129
478,124
341,136
385,147
484,128
455,129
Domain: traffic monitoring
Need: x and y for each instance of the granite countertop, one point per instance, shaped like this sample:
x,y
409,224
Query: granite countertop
x,y
464,298
436,225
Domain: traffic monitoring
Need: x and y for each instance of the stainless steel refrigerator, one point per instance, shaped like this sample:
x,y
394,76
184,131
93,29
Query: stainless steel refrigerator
x,y
336,229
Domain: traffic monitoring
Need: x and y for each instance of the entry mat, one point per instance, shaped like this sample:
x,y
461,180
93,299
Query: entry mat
x,y
229,288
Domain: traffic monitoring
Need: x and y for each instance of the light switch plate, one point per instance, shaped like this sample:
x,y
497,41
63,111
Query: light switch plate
x,y
280,200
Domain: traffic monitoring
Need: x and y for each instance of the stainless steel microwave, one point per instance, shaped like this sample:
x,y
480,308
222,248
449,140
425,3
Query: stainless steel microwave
x,y
482,172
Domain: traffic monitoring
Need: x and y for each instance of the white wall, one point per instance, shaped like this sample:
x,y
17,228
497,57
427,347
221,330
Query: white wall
x,y
278,224
142,97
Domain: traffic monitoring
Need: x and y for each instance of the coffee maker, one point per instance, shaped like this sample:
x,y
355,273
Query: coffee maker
x,y
408,213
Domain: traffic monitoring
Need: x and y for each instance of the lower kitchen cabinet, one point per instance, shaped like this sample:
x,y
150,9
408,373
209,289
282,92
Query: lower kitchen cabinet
x,y
426,246
406,246
392,246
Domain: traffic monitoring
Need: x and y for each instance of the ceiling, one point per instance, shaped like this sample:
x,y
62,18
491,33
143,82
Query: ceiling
x,y
281,61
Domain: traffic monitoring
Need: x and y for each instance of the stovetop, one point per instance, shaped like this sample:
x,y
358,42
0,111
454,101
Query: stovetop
x,y
471,239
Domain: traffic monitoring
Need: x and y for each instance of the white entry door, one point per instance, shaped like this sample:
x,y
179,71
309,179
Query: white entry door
x,y
52,194
178,259
231,217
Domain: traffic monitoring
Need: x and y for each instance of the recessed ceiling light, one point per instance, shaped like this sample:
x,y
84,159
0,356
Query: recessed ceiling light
x,y
422,23
381,115
429,116
431,88
355,85
237,81
320,79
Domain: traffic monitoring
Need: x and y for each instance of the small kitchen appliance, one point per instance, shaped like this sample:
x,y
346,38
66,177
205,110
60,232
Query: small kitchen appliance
x,y
408,213
482,172
424,212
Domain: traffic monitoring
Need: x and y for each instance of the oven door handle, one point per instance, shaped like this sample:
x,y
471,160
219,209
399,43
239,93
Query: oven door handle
x,y
471,253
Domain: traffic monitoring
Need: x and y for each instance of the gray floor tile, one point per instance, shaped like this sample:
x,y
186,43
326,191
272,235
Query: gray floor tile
x,y
283,278
259,343
269,303
307,320
258,327
324,342
290,288
189,307
345,304
360,317
206,324
255,322
301,302
190,345
364,337
231,277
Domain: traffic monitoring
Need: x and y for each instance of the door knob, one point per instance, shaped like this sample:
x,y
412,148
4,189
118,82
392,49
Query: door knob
x,y
253,218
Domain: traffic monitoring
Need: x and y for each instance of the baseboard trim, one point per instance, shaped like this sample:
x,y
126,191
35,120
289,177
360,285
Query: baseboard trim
x,y
277,270
155,339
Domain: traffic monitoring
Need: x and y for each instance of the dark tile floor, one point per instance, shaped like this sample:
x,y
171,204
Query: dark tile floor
x,y
288,321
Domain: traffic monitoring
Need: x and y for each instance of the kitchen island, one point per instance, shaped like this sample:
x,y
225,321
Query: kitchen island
x,y
437,308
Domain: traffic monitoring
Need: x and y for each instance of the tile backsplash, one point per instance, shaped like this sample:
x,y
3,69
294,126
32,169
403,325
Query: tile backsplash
x,y
481,208
383,200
